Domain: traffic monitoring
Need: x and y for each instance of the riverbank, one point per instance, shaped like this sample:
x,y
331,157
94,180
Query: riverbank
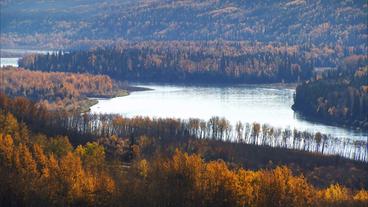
x,y
246,103
339,101
88,102
58,90
335,123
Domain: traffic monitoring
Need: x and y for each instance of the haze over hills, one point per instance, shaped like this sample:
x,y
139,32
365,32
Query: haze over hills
x,y
55,24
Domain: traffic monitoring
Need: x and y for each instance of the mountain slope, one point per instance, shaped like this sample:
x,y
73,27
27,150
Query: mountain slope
x,y
293,22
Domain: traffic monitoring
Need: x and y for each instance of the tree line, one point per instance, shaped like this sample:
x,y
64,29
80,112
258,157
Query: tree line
x,y
201,62
106,125
38,170
56,89
188,62
335,98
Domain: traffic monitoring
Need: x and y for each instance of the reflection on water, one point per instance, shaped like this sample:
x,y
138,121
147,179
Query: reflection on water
x,y
247,103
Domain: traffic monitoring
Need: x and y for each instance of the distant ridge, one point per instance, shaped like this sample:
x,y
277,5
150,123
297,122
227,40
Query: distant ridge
x,y
55,24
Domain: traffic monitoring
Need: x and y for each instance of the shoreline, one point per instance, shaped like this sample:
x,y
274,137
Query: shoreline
x,y
313,118
127,90
88,102
291,85
357,132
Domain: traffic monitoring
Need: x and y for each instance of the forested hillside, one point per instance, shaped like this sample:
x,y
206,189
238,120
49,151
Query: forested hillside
x,y
54,24
43,170
55,152
221,62
339,100
56,89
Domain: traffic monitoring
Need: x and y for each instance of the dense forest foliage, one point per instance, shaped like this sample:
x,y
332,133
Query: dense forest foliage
x,y
235,62
53,24
56,89
338,99
43,170
87,126
96,125
53,152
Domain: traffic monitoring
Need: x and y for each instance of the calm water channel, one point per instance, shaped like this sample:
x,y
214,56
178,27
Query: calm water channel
x,y
268,104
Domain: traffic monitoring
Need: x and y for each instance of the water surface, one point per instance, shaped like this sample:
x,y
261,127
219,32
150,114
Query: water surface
x,y
10,57
9,62
265,104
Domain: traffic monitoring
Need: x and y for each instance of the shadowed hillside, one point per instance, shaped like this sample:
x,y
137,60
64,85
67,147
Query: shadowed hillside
x,y
56,24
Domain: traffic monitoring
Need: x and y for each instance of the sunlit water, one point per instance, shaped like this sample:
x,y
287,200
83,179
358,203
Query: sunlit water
x,y
9,62
265,104
17,54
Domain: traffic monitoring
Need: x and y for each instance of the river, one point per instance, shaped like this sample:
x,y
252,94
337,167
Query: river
x,y
265,104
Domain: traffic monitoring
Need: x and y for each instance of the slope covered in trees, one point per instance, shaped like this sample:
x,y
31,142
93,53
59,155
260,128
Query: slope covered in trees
x,y
255,145
235,62
340,100
37,170
56,89
70,23
224,62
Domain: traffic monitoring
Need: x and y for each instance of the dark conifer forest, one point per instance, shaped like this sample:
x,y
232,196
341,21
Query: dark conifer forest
x,y
343,100
176,62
